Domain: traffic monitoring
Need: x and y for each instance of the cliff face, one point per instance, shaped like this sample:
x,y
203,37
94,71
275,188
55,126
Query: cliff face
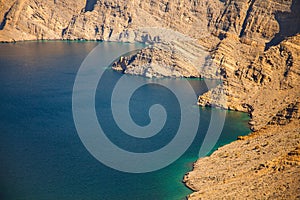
x,y
36,19
92,19
262,85
259,59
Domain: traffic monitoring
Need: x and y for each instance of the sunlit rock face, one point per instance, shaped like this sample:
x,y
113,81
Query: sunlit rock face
x,y
255,20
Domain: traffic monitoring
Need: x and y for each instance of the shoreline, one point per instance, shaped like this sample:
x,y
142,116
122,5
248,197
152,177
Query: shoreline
x,y
56,40
188,178
194,78
263,164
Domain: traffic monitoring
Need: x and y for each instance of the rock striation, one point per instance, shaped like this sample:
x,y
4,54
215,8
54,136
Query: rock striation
x,y
261,86
253,46
175,59
98,20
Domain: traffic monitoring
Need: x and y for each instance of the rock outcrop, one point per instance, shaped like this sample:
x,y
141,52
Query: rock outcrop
x,y
261,86
263,165
175,59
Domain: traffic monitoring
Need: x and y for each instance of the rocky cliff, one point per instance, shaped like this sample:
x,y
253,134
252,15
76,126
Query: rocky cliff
x,y
252,45
92,19
263,165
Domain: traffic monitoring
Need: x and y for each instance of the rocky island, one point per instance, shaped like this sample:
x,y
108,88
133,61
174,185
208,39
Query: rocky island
x,y
253,46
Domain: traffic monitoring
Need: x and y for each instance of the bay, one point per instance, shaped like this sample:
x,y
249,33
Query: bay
x,y
41,155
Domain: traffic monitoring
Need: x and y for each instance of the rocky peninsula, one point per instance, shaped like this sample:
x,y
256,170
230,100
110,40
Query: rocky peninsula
x,y
253,46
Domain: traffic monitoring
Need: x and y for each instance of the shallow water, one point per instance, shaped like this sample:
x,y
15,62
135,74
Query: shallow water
x,y
41,154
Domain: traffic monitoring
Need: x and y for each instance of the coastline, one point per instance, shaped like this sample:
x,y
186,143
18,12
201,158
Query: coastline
x,y
262,165
51,40
201,181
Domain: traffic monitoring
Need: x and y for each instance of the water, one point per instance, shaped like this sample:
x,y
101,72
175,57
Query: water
x,y
41,155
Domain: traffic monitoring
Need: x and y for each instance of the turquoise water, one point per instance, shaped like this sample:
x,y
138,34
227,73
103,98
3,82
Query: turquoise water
x,y
41,155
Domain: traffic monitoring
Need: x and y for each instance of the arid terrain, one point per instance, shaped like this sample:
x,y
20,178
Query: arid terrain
x,y
253,46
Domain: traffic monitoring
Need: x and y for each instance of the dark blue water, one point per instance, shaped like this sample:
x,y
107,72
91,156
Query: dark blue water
x,y
41,155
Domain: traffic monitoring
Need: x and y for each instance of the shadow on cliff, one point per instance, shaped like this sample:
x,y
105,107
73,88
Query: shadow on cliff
x,y
3,23
289,23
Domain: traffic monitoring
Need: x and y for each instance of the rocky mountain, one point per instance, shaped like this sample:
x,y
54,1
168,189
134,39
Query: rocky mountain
x,y
253,46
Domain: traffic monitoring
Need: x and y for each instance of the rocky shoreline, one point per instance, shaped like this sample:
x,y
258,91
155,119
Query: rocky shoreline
x,y
263,165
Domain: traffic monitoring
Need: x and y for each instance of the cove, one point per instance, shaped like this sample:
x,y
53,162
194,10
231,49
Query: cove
x,y
41,154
